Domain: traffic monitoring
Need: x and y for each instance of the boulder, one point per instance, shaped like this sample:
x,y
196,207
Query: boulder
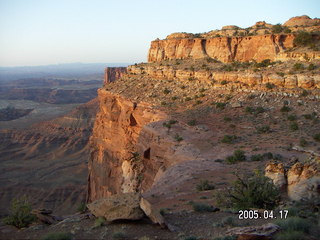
x,y
151,212
263,232
123,206
277,173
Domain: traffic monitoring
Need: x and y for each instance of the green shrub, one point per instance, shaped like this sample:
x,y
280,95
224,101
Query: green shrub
x,y
251,191
188,99
99,222
281,74
285,109
224,82
228,139
317,137
303,39
298,67
238,156
227,119
292,117
304,93
257,157
277,28
202,207
118,235
57,236
166,91
192,122
270,85
163,211
303,142
294,126
311,67
290,235
263,129
204,185
268,155
295,224
20,215
82,207
220,105
190,238
178,138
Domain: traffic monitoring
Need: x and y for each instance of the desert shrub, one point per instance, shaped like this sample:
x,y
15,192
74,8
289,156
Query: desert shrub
x,y
292,117
118,235
270,85
98,222
188,99
82,207
220,105
224,82
228,139
178,138
198,102
303,39
281,74
190,238
57,236
304,93
295,224
277,28
308,116
174,98
285,109
303,142
290,235
294,126
192,122
257,157
263,129
204,185
317,137
166,91
163,211
238,156
268,155
311,67
227,119
20,215
202,207
298,67
264,63
250,191
226,238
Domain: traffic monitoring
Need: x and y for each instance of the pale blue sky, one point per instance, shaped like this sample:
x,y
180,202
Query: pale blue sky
x,y
40,32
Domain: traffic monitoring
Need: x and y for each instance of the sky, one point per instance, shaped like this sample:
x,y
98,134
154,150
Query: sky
x,y
42,32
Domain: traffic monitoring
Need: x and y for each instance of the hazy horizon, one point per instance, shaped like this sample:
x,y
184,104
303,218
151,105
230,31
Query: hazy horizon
x,y
35,32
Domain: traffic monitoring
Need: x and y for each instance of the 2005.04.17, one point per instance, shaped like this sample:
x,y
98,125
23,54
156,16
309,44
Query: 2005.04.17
x,y
266,214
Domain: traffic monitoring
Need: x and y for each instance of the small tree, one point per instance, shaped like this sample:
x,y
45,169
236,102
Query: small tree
x,y
250,191
302,39
20,213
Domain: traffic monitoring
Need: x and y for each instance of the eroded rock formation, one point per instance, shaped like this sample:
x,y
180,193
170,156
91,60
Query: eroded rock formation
x,y
113,73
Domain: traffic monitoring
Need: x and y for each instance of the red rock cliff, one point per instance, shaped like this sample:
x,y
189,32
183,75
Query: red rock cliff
x,y
113,73
224,49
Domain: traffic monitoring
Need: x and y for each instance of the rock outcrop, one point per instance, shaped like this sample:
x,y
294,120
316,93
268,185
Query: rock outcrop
x,y
263,232
113,167
300,181
111,74
125,206
248,78
224,49
302,21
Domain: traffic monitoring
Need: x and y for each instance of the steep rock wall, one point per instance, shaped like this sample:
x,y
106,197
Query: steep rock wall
x,y
112,165
249,78
224,49
113,73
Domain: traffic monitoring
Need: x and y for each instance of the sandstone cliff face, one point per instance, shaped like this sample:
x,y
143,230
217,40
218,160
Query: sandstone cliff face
x,y
300,181
224,49
113,73
112,166
250,79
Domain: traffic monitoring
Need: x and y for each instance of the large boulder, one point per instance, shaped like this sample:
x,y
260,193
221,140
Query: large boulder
x,y
277,173
124,206
152,212
263,232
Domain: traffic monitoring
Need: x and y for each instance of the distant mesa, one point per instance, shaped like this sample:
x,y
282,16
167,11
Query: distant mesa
x,y
302,21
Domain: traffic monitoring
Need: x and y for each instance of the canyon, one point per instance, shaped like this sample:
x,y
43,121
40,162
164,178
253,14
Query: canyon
x,y
167,132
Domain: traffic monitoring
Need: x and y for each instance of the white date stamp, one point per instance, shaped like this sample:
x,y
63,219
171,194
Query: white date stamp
x,y
266,214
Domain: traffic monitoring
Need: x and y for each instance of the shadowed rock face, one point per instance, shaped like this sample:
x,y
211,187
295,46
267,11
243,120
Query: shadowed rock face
x,y
224,49
111,74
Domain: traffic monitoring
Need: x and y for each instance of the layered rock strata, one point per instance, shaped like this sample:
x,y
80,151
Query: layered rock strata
x,y
113,73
